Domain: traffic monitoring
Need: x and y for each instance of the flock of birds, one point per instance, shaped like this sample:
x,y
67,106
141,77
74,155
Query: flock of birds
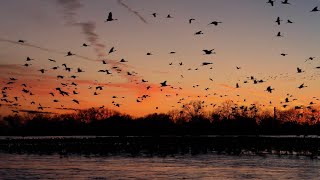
x,y
69,86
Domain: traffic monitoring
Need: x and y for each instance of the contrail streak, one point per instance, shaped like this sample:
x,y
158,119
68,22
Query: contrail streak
x,y
133,11
43,49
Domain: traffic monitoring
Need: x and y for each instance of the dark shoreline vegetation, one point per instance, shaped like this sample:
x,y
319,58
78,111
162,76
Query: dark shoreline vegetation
x,y
191,119
163,146
190,130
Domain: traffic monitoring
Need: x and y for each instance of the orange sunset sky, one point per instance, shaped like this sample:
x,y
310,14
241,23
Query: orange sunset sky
x,y
246,38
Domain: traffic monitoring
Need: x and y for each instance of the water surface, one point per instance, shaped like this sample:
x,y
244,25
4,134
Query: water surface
x,y
14,166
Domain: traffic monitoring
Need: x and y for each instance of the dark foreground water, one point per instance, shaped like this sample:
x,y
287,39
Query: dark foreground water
x,y
14,166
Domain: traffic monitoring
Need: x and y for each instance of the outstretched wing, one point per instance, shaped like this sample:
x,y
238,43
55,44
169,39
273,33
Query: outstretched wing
x,y
110,15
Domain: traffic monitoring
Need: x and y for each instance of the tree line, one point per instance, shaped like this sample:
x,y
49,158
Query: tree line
x,y
191,119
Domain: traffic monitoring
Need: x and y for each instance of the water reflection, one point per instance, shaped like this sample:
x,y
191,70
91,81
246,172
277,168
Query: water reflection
x,y
15,166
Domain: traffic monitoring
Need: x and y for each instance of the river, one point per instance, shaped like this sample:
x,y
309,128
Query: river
x,y
204,166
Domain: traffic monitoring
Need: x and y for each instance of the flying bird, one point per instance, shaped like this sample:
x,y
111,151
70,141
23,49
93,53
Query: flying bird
x,y
112,50
285,2
169,16
42,70
315,9
207,52
190,20
198,33
299,70
69,53
302,86
310,58
289,21
278,21
76,101
163,84
29,59
110,18
269,89
279,34
206,63
271,2
216,23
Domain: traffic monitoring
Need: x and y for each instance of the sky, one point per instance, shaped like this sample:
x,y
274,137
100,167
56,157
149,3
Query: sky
x,y
246,38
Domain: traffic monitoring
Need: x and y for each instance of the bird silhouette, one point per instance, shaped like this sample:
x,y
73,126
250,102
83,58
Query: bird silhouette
x,y
52,60
198,33
207,52
269,89
310,58
21,41
69,53
279,34
289,21
76,101
216,23
111,50
99,88
154,14
169,16
271,2
206,63
110,18
299,70
285,2
42,70
79,70
85,45
302,86
29,59
163,84
278,21
190,20
315,9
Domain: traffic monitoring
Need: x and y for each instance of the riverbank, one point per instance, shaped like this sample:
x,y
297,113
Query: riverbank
x,y
163,145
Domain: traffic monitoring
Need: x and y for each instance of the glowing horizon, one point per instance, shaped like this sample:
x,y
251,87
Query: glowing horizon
x,y
246,38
